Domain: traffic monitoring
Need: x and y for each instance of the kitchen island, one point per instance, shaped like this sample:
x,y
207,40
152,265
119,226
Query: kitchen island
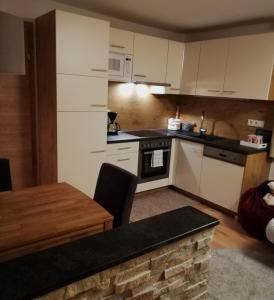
x,y
163,256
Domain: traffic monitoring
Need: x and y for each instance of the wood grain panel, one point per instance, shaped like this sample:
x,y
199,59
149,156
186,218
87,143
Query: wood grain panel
x,y
46,103
271,90
17,119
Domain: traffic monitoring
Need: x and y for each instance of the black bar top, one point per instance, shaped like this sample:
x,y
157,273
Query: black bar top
x,y
214,141
37,274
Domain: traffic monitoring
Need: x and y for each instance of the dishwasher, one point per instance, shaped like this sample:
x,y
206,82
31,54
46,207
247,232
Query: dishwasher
x,y
222,176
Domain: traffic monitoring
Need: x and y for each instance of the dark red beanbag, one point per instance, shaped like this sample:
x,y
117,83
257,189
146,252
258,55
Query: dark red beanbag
x,y
254,214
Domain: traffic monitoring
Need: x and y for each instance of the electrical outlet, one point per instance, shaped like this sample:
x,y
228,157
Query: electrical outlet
x,y
255,123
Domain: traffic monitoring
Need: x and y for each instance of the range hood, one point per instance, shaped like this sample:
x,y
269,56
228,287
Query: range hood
x,y
12,46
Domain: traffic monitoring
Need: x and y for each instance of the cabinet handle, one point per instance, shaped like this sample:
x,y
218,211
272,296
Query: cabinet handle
x,y
174,89
117,46
99,70
124,148
139,75
98,151
214,91
98,105
231,92
123,159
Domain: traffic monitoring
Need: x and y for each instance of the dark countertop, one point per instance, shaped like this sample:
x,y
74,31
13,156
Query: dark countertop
x,y
34,275
218,142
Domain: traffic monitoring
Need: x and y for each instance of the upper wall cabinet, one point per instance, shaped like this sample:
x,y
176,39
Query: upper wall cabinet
x,y
174,66
82,45
212,67
190,68
249,66
150,58
121,41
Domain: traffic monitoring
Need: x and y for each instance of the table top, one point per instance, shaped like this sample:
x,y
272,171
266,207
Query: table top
x,y
47,212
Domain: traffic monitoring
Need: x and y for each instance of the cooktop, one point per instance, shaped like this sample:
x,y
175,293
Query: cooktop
x,y
145,133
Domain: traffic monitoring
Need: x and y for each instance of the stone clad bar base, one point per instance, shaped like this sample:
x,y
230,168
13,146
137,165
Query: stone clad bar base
x,y
178,270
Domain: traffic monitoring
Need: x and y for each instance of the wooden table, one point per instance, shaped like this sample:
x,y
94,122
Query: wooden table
x,y
41,217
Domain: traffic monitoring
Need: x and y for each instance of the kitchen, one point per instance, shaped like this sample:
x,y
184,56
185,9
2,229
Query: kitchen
x,y
166,76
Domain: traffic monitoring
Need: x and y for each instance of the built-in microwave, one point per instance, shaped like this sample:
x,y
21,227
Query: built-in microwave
x,y
120,67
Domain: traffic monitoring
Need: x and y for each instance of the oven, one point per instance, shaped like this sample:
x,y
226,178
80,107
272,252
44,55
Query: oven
x,y
154,159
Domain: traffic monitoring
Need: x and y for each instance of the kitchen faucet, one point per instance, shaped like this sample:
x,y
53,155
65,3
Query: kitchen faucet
x,y
202,129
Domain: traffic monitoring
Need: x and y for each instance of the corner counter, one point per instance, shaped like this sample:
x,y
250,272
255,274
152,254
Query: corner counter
x,y
163,257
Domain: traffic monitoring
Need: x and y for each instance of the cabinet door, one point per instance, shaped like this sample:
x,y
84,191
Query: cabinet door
x,y
81,93
81,142
121,41
150,58
82,45
221,183
128,161
190,68
174,67
189,164
212,67
249,66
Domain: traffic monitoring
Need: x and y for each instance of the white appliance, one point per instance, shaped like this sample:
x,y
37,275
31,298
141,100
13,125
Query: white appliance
x,y
120,67
174,124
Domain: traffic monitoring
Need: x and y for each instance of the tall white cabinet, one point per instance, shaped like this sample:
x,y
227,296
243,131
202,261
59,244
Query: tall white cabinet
x,y
78,81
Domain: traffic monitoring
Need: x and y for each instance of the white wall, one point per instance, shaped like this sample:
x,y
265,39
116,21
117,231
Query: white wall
x,y
31,9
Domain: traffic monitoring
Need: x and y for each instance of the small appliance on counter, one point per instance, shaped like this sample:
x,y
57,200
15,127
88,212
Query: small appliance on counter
x,y
113,127
174,124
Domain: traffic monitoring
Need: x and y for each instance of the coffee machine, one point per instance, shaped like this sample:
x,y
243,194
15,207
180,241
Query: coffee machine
x,y
113,127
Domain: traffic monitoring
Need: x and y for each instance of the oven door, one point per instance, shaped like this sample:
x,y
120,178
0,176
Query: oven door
x,y
146,170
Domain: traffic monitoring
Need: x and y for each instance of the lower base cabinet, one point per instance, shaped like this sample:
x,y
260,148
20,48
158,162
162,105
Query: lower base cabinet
x,y
221,183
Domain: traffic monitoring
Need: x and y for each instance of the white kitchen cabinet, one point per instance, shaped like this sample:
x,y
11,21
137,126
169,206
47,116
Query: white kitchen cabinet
x,y
249,66
190,68
127,161
221,183
188,166
81,93
212,67
122,148
82,45
174,67
121,41
150,58
81,147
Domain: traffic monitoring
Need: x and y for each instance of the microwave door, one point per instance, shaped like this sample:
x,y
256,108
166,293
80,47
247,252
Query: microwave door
x,y
116,65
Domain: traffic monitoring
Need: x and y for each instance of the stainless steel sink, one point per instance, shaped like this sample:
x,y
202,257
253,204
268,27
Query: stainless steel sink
x,y
205,137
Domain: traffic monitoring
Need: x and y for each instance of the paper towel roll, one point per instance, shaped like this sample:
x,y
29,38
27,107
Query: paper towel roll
x,y
271,153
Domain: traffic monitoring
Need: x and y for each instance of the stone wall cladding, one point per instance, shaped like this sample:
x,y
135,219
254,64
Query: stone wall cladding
x,y
178,270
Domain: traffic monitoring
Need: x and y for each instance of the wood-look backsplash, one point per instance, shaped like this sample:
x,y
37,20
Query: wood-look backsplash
x,y
223,117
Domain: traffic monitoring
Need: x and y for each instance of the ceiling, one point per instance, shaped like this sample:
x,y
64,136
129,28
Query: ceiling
x,y
183,15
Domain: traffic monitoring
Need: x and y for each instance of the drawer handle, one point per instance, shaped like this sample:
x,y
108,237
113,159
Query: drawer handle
x,y
117,46
222,155
214,91
99,70
98,151
124,148
230,92
139,75
174,89
123,159
98,105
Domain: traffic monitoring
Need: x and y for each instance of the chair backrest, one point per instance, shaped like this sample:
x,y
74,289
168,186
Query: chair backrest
x,y
115,191
5,178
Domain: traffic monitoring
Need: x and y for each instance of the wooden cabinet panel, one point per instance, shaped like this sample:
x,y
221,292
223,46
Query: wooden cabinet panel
x,y
81,148
212,67
249,66
82,45
127,161
174,67
190,68
121,41
81,93
150,58
189,164
221,183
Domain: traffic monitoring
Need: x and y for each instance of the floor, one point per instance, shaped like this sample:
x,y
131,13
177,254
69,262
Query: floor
x,y
229,234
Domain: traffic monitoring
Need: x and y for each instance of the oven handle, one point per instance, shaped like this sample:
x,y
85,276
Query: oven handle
x,y
150,152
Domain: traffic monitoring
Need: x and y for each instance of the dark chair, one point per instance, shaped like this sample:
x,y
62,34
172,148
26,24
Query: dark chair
x,y
5,178
115,191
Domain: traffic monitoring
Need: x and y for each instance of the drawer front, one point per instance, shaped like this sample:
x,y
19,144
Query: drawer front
x,y
120,148
127,161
